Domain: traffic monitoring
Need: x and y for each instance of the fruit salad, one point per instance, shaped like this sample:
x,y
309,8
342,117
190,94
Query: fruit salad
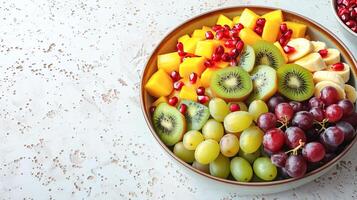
x,y
253,99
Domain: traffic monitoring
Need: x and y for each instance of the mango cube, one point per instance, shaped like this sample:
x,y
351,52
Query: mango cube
x,y
249,36
206,48
189,45
271,31
248,18
222,64
206,76
199,33
236,19
168,62
188,93
298,29
223,20
189,65
206,28
159,84
184,38
276,15
286,58
159,100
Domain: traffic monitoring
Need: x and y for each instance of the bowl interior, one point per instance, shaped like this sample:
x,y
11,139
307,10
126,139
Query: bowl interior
x,y
168,44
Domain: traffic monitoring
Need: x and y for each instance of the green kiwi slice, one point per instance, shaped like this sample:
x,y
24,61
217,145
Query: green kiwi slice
x,y
169,124
246,60
295,82
231,84
196,114
267,53
265,83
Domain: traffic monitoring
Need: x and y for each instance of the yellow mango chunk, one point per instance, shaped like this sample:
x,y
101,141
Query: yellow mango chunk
x,y
236,19
271,31
223,20
184,38
222,64
199,33
159,100
189,45
286,58
189,65
298,29
188,93
206,48
249,36
159,84
168,62
248,18
206,76
206,28
276,15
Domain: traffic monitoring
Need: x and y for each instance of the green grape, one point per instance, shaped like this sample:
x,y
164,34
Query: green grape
x,y
191,139
250,157
207,151
237,121
265,169
218,109
256,108
184,154
241,169
229,145
242,105
213,130
199,166
251,139
220,167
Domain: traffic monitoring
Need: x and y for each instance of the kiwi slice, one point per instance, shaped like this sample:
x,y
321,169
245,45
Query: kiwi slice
x,y
265,83
246,60
295,82
231,84
196,114
169,124
267,53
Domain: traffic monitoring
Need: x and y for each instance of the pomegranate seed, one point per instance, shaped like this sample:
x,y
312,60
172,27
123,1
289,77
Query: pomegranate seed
x,y
217,27
234,107
346,2
208,63
183,108
351,23
337,66
152,109
289,49
354,29
288,34
339,2
283,28
200,91
283,41
203,99
193,78
219,50
226,27
173,101
260,22
342,11
225,57
209,35
345,17
233,62
181,53
258,30
175,76
240,45
234,33
216,57
353,14
323,53
226,33
229,43
234,52
179,46
220,35
178,85
238,26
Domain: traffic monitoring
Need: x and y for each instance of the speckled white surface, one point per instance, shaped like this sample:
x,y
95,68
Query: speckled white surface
x,y
70,122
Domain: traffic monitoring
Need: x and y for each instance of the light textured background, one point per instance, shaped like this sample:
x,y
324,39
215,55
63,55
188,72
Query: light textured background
x,y
70,122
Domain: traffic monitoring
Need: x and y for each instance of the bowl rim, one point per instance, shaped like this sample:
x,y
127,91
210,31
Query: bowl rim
x,y
334,8
233,182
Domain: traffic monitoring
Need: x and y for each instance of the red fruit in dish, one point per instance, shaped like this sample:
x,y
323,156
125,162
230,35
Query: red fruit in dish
x,y
175,76
238,26
297,106
219,50
179,46
347,107
193,77
337,66
152,109
283,28
313,152
173,101
332,137
273,140
200,91
347,129
333,113
345,17
267,121
240,45
352,119
316,102
289,49
225,57
226,33
258,30
181,53
234,52
317,113
260,22
287,35
279,159
230,43
183,108
234,107
351,23
233,62
234,33
217,27
303,120
208,63
209,35
178,85
220,34
295,166
284,112
329,95
203,99
274,101
323,53
216,57
294,136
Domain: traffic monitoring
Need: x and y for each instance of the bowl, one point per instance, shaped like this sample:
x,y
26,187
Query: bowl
x,y
334,7
168,43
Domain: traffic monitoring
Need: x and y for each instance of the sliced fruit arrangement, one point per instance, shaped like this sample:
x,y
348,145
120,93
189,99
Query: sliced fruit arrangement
x,y
252,99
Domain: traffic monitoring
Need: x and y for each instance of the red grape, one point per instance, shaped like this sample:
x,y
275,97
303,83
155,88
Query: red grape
x,y
347,130
297,106
303,120
316,102
332,137
313,152
267,121
274,101
352,119
293,136
273,140
333,113
347,107
279,159
329,95
296,166
284,112
317,113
